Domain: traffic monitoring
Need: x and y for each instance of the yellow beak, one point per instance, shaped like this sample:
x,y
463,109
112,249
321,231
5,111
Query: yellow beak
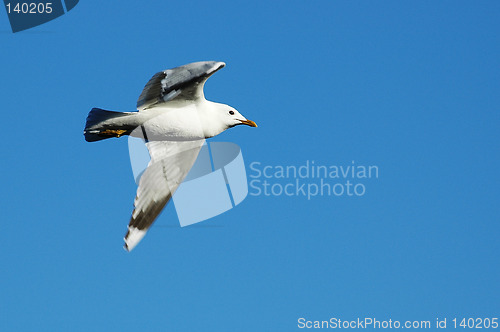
x,y
249,123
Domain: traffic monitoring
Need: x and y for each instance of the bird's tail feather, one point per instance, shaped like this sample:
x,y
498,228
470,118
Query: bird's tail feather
x,y
100,125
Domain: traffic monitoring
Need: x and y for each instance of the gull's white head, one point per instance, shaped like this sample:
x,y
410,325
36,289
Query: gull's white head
x,y
232,117
223,117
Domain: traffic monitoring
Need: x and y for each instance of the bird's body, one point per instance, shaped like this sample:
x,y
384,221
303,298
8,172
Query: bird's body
x,y
182,121
176,122
174,118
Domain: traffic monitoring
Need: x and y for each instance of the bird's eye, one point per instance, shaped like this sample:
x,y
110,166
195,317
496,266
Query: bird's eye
x,y
231,112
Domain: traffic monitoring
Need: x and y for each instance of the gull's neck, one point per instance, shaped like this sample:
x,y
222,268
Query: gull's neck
x,y
209,112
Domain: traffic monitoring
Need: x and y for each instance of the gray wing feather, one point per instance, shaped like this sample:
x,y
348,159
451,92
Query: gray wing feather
x,y
169,165
184,82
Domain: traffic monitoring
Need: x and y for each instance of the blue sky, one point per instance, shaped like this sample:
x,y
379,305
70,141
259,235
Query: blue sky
x,y
411,87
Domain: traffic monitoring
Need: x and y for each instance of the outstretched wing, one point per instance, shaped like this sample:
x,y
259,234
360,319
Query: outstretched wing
x,y
184,82
169,165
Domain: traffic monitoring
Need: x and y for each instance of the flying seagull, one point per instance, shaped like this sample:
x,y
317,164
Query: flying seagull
x,y
174,119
